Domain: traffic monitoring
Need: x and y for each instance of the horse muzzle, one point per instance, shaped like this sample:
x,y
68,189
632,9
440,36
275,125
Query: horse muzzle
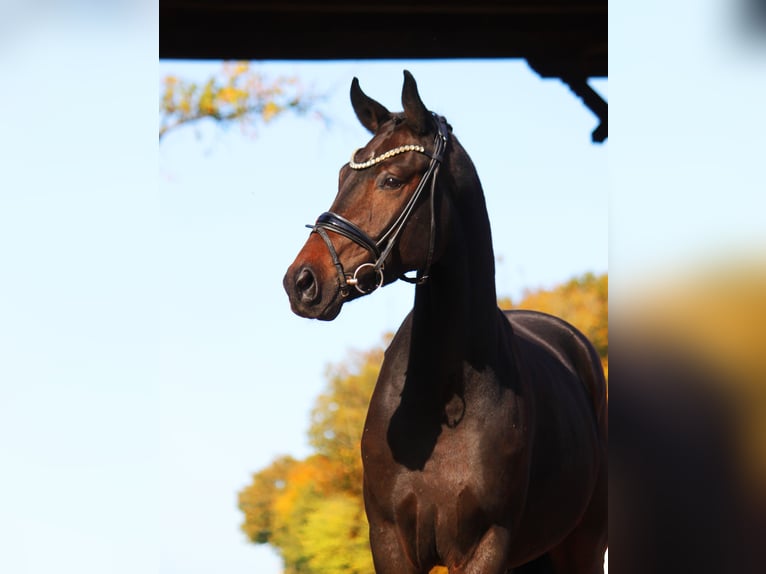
x,y
311,283
309,295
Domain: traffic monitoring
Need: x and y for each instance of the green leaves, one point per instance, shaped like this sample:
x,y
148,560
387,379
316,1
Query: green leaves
x,y
335,537
339,414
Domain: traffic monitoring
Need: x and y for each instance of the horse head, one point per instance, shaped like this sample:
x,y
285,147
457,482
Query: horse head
x,y
382,223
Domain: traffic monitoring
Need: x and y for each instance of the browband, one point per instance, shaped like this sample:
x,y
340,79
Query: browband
x,y
373,160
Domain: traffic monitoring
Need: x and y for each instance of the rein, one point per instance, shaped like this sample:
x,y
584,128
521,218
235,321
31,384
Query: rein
x,y
381,249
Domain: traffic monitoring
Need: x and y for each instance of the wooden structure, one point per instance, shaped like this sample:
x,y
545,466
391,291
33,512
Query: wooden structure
x,y
564,39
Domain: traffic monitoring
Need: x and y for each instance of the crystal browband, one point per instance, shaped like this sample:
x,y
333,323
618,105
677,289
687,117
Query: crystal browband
x,y
374,160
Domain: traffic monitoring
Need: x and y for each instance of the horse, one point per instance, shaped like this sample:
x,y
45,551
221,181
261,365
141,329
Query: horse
x,y
485,444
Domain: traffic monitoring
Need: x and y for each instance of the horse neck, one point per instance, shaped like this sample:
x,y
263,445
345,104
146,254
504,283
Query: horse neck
x,y
455,314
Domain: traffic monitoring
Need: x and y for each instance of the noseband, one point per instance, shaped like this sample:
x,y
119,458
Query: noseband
x,y
381,248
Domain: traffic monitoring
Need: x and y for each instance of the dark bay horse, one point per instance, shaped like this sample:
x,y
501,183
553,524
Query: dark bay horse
x,y
485,444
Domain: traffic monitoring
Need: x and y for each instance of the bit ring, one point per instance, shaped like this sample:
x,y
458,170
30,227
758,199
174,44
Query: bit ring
x,y
355,280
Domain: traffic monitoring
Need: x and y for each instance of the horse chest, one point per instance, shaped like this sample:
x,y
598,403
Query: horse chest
x,y
444,508
442,477
440,465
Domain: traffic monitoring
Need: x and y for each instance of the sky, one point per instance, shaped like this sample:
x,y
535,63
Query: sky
x,y
149,362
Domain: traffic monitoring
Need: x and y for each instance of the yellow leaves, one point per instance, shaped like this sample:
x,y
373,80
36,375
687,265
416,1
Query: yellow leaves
x,y
256,501
235,69
312,510
297,507
338,415
167,100
335,537
238,94
270,110
207,100
231,95
315,476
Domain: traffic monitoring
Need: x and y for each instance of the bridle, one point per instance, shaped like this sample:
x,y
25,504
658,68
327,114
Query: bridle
x,y
381,248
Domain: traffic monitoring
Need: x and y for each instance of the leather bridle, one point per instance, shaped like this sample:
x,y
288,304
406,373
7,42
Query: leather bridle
x,y
381,248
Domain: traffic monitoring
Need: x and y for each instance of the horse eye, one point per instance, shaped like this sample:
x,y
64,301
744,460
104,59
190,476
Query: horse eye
x,y
390,182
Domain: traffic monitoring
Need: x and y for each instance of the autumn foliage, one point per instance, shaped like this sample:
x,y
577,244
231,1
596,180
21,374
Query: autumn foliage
x,y
237,94
311,511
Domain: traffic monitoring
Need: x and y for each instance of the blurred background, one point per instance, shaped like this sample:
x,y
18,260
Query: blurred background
x,y
149,363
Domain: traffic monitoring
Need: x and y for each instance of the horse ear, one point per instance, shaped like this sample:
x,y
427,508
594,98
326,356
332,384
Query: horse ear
x,y
370,113
418,116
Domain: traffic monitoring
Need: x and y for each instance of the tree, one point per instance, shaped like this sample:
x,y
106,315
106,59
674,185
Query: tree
x,y
256,501
335,536
312,510
238,94
339,414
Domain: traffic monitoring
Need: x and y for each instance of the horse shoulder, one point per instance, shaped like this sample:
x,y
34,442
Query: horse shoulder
x,y
569,346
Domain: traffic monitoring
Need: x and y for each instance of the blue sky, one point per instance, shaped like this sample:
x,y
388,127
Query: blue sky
x,y
149,362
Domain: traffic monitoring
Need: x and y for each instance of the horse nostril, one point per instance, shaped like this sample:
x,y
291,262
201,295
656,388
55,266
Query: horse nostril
x,y
306,285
